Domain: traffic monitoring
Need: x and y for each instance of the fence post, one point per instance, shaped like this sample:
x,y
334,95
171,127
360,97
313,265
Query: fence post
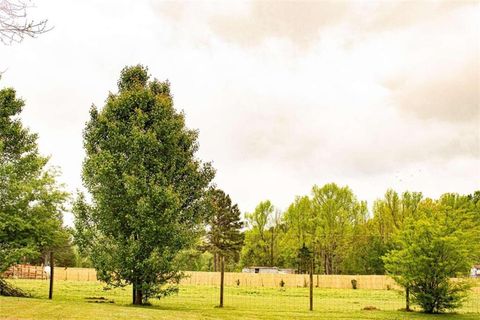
x,y
311,286
222,279
52,267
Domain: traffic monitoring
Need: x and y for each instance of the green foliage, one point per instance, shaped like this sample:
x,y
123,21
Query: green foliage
x,y
392,211
146,185
64,252
342,236
304,258
374,238
82,260
262,240
65,255
224,237
364,255
336,214
432,249
31,202
194,260
299,234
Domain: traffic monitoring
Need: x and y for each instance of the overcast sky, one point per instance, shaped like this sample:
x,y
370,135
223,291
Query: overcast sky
x,y
285,94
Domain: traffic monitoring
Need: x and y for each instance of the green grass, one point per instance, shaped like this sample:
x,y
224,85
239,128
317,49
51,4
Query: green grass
x,y
198,302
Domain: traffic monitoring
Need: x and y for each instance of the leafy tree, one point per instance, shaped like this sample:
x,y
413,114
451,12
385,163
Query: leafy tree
x,y
64,252
31,202
147,187
261,240
389,216
224,237
364,254
299,235
393,210
82,260
336,212
65,255
429,252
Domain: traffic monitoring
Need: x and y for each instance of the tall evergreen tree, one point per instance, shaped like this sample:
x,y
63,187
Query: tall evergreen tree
x,y
146,185
224,237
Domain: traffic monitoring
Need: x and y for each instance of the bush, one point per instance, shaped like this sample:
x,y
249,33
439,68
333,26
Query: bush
x,y
354,284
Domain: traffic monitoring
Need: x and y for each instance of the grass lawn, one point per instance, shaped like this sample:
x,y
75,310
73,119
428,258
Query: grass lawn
x,y
88,300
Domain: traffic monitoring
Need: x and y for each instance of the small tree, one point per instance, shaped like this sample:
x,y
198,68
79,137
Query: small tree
x,y
224,237
427,256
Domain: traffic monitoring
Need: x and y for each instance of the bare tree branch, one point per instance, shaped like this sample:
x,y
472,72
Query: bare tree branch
x,y
14,24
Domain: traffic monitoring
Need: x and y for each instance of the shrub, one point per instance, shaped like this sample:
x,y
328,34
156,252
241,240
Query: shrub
x,y
354,284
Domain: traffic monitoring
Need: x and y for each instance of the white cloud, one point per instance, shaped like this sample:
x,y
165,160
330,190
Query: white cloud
x,y
276,114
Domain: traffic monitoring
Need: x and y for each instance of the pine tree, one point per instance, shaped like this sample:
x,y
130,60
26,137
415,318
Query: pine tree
x,y
224,237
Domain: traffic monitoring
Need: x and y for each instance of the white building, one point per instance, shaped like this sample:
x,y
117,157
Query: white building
x,y
267,270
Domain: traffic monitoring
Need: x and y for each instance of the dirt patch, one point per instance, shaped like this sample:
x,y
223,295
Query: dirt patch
x,y
98,300
370,308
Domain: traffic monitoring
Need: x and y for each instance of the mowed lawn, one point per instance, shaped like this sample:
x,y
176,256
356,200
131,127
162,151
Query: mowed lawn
x,y
88,300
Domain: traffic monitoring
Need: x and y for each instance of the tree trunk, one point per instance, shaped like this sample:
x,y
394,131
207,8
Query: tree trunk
x,y
222,275
215,269
271,251
138,297
325,263
134,292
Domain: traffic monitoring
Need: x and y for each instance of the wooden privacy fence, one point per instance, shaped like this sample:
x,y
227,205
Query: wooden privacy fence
x,y
376,282
290,280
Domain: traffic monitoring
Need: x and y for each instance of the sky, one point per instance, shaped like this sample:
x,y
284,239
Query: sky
x,y
285,95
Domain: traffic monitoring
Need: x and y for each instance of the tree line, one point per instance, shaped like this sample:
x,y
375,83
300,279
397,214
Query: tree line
x,y
151,210
344,237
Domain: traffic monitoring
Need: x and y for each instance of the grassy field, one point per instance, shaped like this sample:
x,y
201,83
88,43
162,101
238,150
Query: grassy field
x,y
88,300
